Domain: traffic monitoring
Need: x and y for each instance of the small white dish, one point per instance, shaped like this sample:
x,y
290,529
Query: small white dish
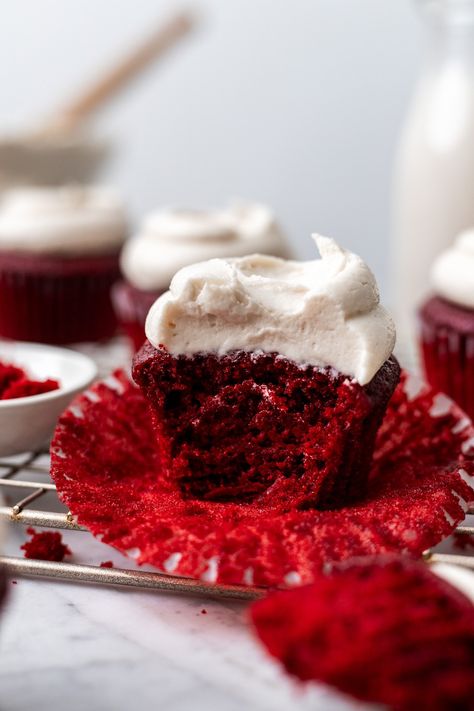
x,y
27,423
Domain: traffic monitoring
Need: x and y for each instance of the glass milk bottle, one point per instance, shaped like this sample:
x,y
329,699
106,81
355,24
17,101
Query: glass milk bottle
x,y
434,173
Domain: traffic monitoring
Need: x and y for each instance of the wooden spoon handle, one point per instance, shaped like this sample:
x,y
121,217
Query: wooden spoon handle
x,y
118,76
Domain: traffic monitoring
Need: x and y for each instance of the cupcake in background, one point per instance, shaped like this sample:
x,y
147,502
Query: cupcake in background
x,y
59,252
447,323
171,239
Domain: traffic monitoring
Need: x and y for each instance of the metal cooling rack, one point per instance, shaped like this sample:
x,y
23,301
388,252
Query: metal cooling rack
x,y
16,476
12,480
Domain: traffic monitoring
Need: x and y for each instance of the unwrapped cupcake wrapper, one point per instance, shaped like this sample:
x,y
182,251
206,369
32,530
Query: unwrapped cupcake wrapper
x,y
448,357
64,305
106,464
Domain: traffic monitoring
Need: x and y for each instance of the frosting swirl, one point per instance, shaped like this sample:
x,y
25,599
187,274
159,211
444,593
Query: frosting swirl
x,y
452,274
72,220
324,312
173,238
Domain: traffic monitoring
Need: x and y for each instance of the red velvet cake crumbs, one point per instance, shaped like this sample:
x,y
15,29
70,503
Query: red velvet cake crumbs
x,y
26,388
382,630
258,427
107,564
9,374
47,545
15,383
106,465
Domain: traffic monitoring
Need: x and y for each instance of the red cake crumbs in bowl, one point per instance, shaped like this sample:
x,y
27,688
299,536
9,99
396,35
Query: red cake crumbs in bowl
x,y
15,383
106,465
258,427
47,545
384,630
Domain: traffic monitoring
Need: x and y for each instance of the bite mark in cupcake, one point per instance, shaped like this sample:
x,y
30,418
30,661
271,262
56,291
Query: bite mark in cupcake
x,y
268,378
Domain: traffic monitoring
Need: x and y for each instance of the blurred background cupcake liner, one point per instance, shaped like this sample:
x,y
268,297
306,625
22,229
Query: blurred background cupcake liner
x,y
53,300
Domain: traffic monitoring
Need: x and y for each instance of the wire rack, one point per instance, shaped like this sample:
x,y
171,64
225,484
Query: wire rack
x,y
17,477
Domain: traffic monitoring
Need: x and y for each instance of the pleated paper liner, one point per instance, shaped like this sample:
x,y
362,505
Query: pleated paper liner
x,y
106,465
447,346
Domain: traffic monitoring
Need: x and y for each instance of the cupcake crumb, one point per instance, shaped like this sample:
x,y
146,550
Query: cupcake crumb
x,y
47,545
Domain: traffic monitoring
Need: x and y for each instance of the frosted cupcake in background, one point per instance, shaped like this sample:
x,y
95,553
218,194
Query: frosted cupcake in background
x,y
59,252
171,239
447,323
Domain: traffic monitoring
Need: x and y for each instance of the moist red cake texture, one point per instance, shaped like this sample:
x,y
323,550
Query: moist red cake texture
x,y
57,300
15,383
132,306
383,630
447,342
258,427
47,545
106,465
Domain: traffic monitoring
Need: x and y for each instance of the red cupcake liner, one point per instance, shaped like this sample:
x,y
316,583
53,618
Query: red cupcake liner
x,y
385,630
105,463
447,346
131,307
56,300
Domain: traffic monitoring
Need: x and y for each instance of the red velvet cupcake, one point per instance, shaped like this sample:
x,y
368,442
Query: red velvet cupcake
x,y
171,239
447,324
384,630
269,379
59,252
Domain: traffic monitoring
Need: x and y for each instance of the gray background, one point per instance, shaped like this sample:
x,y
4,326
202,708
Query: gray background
x,y
295,102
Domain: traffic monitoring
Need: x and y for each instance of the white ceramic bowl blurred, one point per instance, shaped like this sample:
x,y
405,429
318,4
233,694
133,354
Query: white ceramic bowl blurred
x,y
27,423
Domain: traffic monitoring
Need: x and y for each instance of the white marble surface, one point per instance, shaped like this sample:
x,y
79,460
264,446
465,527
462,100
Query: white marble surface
x,y
74,647
90,647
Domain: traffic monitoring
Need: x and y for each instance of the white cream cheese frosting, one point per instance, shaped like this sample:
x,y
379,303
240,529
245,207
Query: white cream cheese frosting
x,y
452,274
70,220
324,312
173,238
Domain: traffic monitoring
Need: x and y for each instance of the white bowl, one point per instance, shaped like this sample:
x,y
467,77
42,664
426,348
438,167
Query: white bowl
x,y
27,423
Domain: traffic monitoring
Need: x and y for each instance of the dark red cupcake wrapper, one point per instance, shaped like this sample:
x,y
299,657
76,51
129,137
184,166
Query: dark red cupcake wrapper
x,y
105,462
57,301
131,307
448,358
